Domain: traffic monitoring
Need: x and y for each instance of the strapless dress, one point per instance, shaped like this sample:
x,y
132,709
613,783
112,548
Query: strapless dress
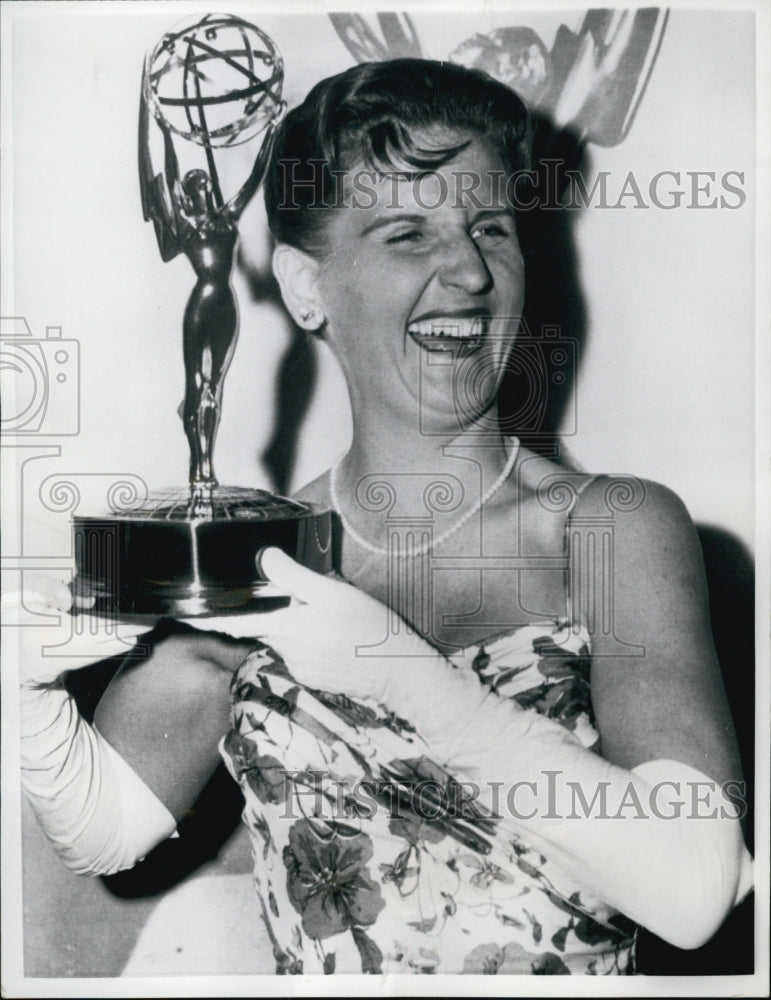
x,y
370,857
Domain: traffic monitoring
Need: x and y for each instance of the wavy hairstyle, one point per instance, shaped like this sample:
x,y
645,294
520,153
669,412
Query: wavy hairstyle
x,y
368,114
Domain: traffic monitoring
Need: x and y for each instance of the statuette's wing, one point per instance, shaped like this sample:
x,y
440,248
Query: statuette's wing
x,y
394,38
616,54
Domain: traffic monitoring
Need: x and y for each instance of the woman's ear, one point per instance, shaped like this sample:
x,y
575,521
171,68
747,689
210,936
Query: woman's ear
x,y
297,276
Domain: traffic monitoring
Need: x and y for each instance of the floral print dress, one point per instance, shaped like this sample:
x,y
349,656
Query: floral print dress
x,y
369,857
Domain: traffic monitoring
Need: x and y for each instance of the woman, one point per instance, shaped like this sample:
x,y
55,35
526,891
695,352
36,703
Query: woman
x,y
419,742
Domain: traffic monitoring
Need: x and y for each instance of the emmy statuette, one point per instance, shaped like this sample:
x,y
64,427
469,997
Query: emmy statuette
x,y
190,551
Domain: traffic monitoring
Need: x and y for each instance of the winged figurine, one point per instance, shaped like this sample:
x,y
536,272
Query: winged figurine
x,y
591,81
398,38
190,217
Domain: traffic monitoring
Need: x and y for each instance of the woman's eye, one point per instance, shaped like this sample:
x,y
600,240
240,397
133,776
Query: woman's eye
x,y
409,236
491,230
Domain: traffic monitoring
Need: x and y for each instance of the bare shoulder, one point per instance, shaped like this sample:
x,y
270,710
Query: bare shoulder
x,y
649,520
630,495
639,586
652,563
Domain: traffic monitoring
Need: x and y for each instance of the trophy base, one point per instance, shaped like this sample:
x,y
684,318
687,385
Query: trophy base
x,y
178,557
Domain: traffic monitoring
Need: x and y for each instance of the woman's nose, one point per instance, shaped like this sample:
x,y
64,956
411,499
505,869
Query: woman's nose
x,y
464,267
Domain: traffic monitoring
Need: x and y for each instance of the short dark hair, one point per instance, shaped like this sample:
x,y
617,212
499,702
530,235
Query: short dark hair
x,y
366,114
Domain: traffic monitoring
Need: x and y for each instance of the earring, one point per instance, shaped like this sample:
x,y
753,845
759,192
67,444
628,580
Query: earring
x,y
313,318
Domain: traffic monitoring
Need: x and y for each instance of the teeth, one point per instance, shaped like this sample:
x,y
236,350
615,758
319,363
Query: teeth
x,y
453,326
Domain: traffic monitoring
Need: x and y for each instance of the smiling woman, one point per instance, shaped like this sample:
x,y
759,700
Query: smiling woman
x,y
456,286
450,753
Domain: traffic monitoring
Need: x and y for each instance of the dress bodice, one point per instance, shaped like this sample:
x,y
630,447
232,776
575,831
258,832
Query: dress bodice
x,y
370,857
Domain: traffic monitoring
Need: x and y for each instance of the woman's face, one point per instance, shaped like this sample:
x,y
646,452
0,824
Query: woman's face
x,y
423,286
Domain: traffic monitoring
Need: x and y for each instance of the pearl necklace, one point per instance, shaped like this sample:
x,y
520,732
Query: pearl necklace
x,y
425,547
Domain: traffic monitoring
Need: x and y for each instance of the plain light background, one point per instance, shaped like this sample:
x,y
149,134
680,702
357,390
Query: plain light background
x,y
665,388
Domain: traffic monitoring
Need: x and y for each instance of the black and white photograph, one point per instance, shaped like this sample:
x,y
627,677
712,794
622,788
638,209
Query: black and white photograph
x,y
385,489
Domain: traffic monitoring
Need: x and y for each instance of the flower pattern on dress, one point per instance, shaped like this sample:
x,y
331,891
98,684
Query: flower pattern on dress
x,y
370,857
328,882
264,774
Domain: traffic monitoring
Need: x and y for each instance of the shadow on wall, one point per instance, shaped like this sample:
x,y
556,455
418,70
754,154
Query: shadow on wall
x,y
536,397
295,382
731,582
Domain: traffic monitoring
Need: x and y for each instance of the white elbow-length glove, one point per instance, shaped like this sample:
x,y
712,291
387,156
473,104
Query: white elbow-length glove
x,y
677,873
93,807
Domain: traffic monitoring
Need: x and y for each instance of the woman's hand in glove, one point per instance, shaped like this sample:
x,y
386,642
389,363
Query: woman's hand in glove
x,y
40,619
331,634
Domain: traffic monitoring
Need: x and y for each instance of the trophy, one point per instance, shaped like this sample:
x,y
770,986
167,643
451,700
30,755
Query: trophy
x,y
591,80
207,86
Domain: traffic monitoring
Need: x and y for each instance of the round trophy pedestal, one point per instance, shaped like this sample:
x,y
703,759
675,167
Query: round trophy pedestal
x,y
181,555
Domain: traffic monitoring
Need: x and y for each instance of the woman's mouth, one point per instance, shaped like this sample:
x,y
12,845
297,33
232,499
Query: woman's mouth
x,y
461,334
